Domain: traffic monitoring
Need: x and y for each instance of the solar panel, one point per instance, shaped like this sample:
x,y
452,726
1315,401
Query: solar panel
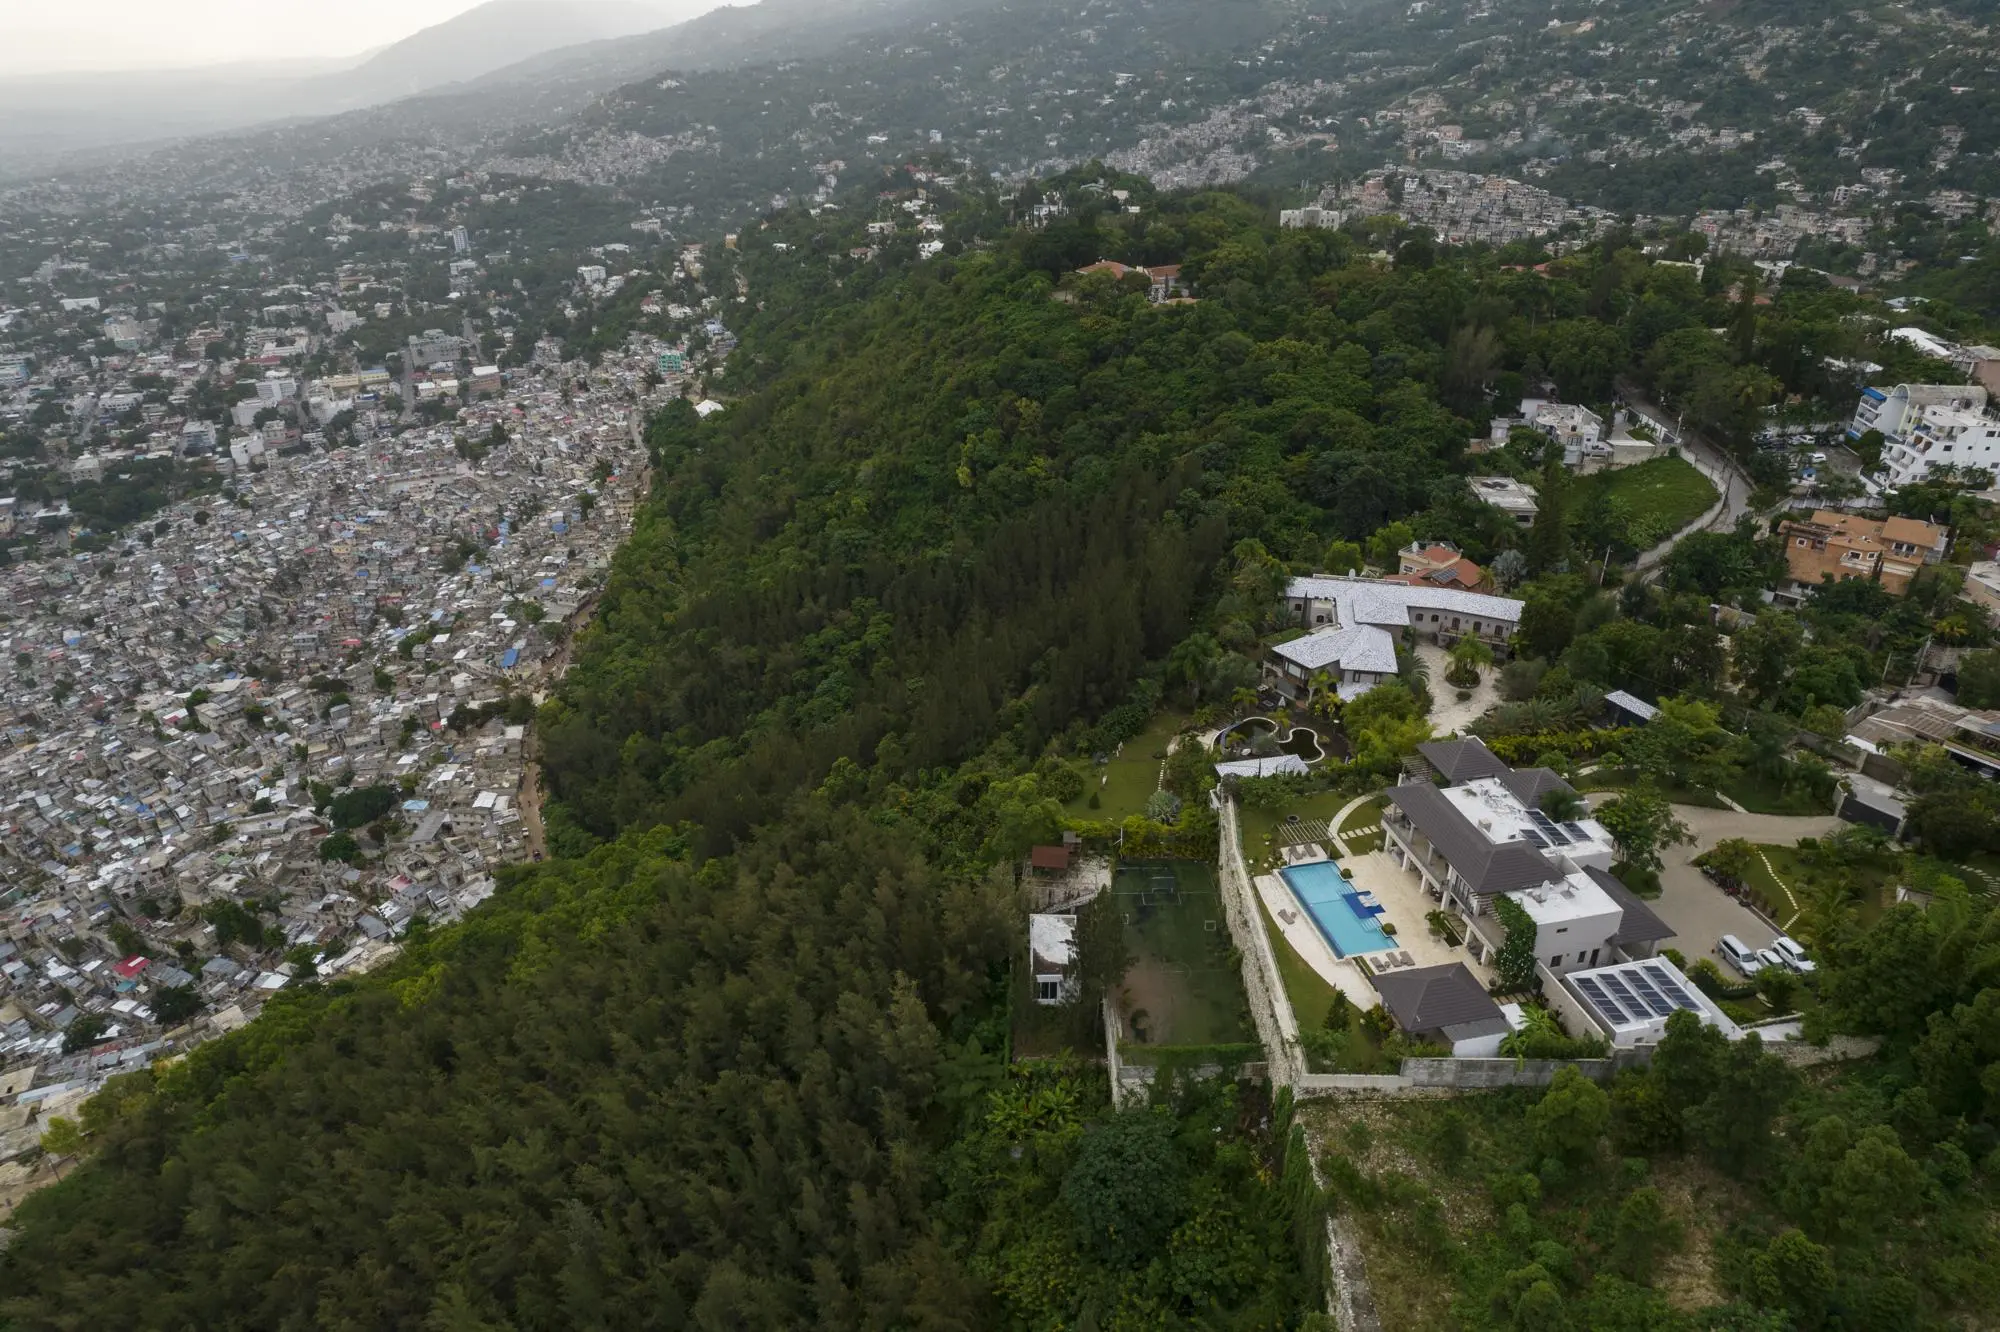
x,y
1576,832
1533,838
1615,983
1671,988
1605,1003
1549,827
1643,987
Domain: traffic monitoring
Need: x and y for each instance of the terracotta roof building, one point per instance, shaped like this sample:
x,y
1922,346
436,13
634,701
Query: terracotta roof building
x,y
1837,547
1438,564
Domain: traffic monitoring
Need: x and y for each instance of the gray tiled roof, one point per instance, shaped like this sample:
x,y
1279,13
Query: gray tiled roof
x,y
1433,998
1638,924
1529,785
1459,761
1486,866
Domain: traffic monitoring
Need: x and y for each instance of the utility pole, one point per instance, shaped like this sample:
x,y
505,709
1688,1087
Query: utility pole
x,y
1922,653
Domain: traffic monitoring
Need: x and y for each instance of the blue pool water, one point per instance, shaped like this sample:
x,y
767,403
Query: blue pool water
x,y
1329,899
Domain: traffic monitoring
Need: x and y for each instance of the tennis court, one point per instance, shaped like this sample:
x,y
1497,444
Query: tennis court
x,y
1183,987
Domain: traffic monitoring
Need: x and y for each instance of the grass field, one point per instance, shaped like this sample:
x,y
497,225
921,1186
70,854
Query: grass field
x,y
1668,492
1310,995
1618,779
1184,986
1125,783
1871,879
1761,795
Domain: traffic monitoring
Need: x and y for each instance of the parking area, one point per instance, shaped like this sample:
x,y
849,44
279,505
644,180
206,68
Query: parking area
x,y
1700,912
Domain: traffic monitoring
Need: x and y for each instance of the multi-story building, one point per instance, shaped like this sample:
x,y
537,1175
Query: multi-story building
x,y
1926,427
1484,834
1355,623
1439,564
1516,499
1982,587
1894,410
1836,547
434,345
1576,428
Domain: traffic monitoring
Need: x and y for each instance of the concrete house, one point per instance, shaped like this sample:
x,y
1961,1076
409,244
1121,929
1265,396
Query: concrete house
x,y
1444,1004
1842,546
1356,623
1484,835
1052,957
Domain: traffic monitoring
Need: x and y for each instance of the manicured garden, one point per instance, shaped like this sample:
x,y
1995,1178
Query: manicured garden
x,y
1369,816
1308,991
1124,784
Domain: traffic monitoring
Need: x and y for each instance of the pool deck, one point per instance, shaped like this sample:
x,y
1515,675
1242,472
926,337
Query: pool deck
x,y
1396,889
1406,903
1306,940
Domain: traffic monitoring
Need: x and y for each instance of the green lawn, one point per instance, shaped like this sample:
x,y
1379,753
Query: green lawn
x,y
1618,779
1364,816
1130,778
1761,795
1668,490
1871,876
1309,993
1769,893
1260,826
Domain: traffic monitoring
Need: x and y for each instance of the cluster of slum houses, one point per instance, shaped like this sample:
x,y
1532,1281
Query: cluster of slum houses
x,y
173,712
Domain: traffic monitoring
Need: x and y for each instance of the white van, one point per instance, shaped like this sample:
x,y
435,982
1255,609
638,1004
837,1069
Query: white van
x,y
1739,955
1793,956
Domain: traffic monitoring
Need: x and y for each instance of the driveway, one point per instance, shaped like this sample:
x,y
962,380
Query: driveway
x,y
1448,715
1700,912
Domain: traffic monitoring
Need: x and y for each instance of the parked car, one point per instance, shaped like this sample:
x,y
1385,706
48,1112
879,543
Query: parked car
x,y
1819,459
1793,955
1739,955
1768,960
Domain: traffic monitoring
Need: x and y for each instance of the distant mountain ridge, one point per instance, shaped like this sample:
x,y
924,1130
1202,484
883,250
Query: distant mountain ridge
x,y
500,33
46,119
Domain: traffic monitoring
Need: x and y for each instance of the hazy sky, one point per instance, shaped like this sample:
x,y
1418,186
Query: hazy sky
x,y
51,35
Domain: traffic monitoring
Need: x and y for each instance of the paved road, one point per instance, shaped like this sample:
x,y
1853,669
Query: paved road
x,y
1729,479
1700,912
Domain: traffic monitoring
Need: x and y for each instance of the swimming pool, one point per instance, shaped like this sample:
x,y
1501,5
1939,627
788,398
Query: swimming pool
x,y
1330,900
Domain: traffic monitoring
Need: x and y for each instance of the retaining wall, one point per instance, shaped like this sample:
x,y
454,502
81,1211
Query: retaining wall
x,y
1270,1009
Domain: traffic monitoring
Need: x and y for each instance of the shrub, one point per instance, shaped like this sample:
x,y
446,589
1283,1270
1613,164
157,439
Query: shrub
x,y
1519,749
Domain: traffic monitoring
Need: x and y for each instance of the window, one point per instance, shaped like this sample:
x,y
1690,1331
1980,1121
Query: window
x,y
1556,961
1593,957
1047,991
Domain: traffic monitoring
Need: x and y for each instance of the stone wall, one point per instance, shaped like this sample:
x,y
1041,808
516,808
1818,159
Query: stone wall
x,y
1270,1007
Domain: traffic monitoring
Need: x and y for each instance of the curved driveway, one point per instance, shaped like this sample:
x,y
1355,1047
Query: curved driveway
x,y
1700,912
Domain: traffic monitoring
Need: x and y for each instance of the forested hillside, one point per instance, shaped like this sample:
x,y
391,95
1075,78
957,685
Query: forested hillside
x,y
950,475
737,1057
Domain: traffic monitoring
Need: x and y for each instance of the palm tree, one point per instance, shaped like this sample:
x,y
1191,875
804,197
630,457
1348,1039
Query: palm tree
x,y
1322,694
1468,655
1538,1025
